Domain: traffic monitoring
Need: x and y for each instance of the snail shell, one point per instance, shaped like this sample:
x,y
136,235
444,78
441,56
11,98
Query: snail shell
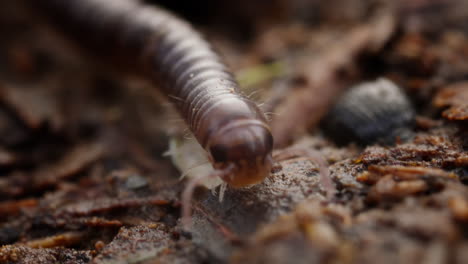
x,y
370,112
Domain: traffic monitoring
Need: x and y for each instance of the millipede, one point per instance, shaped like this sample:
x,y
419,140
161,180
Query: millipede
x,y
167,50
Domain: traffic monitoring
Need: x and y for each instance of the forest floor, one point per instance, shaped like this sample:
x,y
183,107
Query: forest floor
x,y
83,178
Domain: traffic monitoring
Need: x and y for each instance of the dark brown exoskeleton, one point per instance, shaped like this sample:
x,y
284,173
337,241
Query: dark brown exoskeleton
x,y
164,48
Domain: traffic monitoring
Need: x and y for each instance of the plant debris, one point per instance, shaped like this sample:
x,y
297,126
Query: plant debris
x,y
454,96
84,180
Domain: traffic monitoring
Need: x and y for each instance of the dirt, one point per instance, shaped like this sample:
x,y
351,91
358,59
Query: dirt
x,y
83,178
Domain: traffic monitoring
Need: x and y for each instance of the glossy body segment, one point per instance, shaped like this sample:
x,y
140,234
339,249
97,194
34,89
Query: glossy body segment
x,y
158,45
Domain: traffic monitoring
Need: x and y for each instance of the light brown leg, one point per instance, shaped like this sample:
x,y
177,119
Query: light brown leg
x,y
187,194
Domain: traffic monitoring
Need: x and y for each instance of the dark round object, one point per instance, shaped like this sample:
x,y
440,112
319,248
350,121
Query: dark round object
x,y
370,112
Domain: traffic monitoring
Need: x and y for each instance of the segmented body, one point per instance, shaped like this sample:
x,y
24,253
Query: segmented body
x,y
169,51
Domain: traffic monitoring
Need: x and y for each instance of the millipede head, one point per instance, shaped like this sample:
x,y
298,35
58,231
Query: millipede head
x,y
246,146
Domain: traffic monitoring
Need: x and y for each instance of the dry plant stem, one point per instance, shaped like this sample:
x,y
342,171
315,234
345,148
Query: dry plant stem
x,y
304,109
61,240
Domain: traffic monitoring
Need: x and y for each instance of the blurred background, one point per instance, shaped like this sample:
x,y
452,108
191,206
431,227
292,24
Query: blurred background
x,y
81,143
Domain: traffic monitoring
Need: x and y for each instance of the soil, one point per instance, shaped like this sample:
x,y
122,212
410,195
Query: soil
x,y
83,178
